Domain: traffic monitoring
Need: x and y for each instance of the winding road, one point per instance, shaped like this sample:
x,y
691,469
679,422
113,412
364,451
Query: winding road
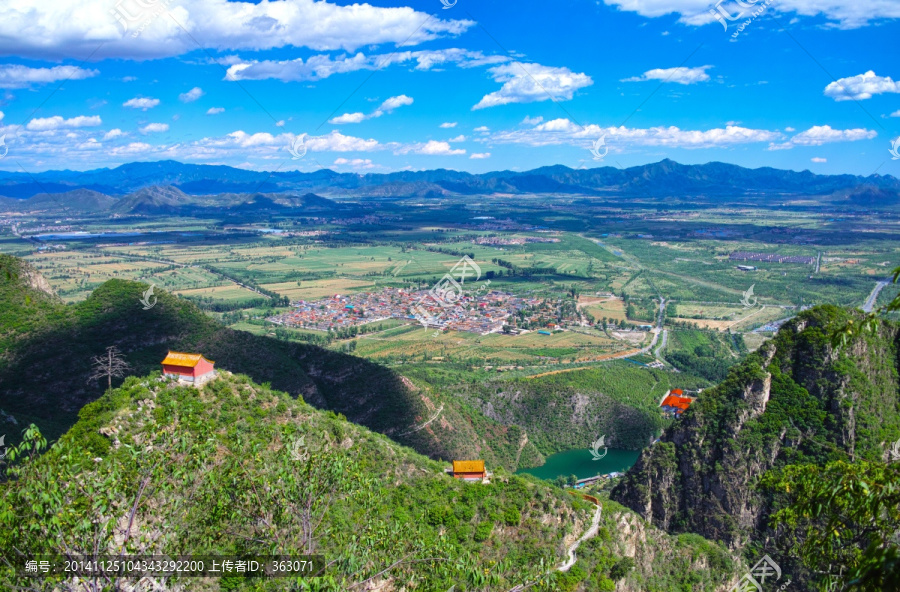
x,y
665,338
658,329
590,532
873,296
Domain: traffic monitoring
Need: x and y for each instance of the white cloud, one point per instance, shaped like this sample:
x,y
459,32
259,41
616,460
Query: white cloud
x,y
356,163
18,76
322,66
680,75
847,13
65,28
482,129
825,134
333,142
431,148
861,86
564,131
337,142
459,138
480,155
155,127
895,113
191,95
89,144
529,83
394,102
215,110
532,120
817,159
61,146
132,148
56,122
448,125
386,107
141,103
357,117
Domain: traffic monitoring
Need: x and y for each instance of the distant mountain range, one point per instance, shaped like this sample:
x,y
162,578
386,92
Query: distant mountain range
x,y
666,178
167,200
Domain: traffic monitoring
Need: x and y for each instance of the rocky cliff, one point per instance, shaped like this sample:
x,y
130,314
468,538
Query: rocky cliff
x,y
797,400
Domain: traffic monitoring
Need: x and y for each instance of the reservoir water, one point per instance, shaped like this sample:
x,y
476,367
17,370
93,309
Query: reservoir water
x,y
581,464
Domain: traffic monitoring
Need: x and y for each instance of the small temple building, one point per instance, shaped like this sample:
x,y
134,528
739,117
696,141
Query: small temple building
x,y
469,470
675,402
190,368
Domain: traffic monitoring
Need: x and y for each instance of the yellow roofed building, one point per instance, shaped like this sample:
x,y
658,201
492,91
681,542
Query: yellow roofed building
x,y
470,470
191,368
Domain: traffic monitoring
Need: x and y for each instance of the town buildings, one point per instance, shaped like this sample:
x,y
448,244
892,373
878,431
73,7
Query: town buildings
x,y
474,312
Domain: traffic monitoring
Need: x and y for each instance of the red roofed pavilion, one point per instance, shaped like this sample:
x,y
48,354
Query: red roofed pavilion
x,y
677,404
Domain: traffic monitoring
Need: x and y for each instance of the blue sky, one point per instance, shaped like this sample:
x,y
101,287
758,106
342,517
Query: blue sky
x,y
478,86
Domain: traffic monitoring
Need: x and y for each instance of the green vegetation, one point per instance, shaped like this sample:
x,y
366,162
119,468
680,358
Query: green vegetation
x,y
841,520
705,353
571,409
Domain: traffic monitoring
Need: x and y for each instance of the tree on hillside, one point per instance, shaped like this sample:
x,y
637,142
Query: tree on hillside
x,y
109,365
842,521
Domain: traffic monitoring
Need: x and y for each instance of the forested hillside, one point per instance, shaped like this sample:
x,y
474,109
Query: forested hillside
x,y
572,409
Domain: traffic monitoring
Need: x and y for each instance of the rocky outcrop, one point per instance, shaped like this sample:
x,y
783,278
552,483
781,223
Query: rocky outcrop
x,y
654,553
36,281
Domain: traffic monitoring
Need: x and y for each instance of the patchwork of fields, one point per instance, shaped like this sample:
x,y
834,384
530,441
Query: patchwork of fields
x,y
605,283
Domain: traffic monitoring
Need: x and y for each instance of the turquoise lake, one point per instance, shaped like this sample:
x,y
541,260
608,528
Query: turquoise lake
x,y
580,463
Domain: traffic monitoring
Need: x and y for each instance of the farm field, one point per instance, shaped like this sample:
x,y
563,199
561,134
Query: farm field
x,y
600,308
226,294
315,289
414,342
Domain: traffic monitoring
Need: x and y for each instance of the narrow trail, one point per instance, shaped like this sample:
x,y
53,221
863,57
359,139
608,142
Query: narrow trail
x,y
751,315
590,532
426,424
603,358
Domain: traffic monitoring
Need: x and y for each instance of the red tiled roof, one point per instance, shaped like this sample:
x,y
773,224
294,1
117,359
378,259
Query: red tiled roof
x,y
678,402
